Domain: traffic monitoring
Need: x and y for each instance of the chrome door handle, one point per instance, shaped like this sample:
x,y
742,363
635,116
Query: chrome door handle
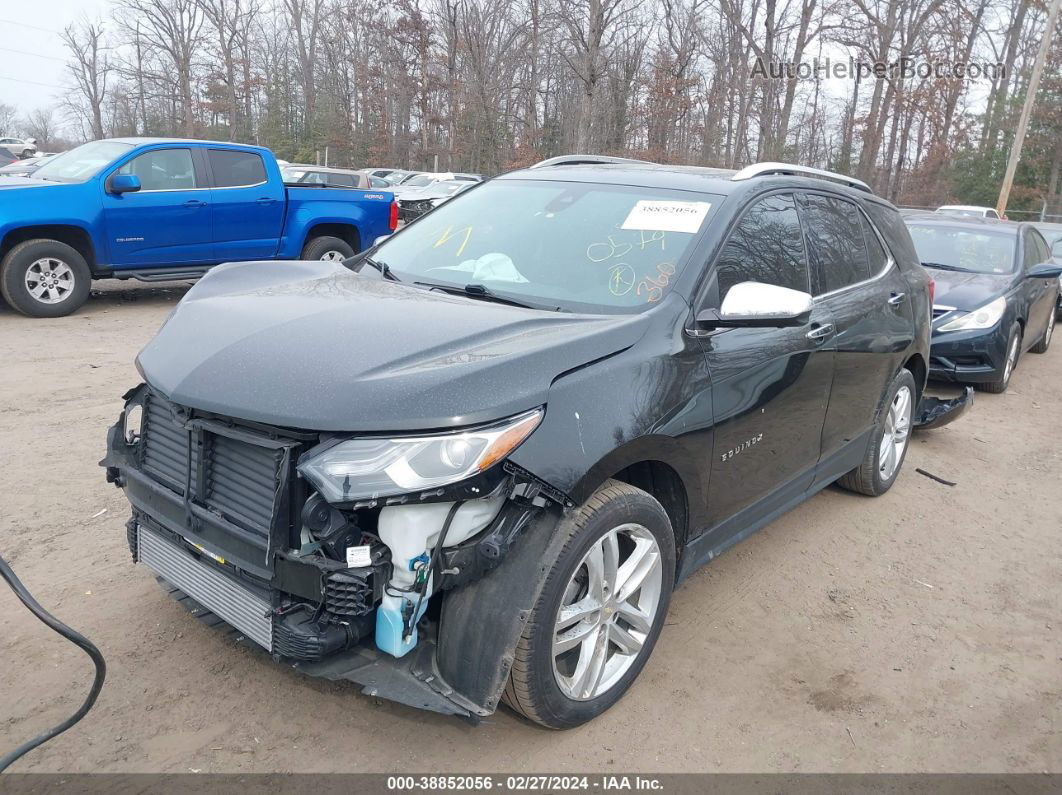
x,y
820,333
194,203
266,200
897,299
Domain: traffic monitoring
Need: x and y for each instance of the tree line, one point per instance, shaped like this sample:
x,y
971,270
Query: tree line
x,y
488,85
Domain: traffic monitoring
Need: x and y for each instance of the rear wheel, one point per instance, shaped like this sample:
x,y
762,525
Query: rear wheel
x,y
332,249
44,278
27,153
888,443
600,611
1013,351
1045,340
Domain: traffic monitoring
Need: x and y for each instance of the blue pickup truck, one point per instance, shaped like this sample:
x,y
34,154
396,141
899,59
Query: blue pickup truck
x,y
157,209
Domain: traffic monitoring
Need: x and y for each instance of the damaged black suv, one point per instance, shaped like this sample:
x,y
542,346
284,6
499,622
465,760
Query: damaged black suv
x,y
470,464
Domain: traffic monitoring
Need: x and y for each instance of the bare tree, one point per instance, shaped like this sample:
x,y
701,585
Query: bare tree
x,y
89,70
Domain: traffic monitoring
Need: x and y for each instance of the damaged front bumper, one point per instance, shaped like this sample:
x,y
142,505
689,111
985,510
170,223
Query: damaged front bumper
x,y
934,412
197,526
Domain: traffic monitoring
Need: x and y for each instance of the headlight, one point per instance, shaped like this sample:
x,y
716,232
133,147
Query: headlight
x,y
372,467
983,317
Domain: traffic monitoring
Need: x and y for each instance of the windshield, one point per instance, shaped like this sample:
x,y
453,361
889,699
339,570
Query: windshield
x,y
577,246
82,162
975,250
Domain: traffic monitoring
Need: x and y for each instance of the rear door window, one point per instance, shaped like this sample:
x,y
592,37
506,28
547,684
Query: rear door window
x,y
876,253
835,242
340,180
766,247
233,169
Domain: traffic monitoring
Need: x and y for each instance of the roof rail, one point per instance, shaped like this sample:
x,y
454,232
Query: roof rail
x,y
767,169
584,160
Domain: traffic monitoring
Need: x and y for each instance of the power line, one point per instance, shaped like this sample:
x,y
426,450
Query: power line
x,y
29,82
33,54
24,25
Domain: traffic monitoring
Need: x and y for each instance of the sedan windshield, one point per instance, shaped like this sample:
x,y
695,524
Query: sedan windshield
x,y
965,248
82,162
576,246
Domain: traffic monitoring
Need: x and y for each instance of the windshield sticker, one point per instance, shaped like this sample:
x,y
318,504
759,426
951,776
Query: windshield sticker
x,y
667,216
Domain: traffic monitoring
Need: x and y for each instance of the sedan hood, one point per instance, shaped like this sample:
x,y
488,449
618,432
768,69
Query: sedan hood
x,y
312,345
968,291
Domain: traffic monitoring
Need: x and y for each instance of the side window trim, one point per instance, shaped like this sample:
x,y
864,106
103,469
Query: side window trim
x,y
199,176
890,260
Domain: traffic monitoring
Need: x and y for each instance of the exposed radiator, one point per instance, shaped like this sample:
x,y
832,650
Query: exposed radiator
x,y
241,608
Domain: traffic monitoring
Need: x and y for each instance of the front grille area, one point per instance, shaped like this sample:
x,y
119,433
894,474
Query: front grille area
x,y
243,609
242,479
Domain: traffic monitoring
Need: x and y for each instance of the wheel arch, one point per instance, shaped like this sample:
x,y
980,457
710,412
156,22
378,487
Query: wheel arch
x,y
348,233
76,237
916,364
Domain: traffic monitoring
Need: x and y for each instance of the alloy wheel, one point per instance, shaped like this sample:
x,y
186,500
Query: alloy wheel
x,y
607,612
1012,359
49,280
333,256
897,431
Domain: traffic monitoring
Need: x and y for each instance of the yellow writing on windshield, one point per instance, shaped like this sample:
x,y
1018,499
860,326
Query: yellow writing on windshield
x,y
449,233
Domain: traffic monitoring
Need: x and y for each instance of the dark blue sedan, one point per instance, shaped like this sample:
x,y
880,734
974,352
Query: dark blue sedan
x,y
996,289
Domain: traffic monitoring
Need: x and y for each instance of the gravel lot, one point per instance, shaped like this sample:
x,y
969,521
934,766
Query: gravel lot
x,y
916,632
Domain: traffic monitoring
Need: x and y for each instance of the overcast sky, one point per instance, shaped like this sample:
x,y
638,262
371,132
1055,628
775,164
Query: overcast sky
x,y
32,57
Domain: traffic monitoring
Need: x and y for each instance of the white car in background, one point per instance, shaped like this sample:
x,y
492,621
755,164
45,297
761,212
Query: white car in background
x,y
19,147
968,211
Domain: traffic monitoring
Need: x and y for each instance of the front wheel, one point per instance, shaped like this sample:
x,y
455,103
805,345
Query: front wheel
x,y
1013,351
27,153
332,249
44,278
600,611
888,443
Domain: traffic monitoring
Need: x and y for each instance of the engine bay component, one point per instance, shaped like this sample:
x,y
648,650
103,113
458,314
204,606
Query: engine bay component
x,y
410,531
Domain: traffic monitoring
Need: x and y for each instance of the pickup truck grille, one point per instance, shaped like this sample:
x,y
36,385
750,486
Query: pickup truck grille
x,y
241,479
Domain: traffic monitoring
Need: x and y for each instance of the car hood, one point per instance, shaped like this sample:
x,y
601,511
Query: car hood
x,y
312,345
968,291
12,181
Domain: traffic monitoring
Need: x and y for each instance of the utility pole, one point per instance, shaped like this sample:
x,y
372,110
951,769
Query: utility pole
x,y
1026,108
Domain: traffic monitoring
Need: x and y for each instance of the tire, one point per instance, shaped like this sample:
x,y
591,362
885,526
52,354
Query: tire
x,y
551,691
328,248
68,290
1013,354
26,153
1045,340
874,476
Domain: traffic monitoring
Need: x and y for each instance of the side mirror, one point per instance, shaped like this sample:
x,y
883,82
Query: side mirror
x,y
124,183
758,305
1045,270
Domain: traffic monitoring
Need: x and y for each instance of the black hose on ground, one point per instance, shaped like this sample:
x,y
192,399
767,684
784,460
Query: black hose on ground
x,y
74,637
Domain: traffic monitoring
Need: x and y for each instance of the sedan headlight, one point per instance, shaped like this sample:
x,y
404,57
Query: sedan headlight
x,y
981,318
373,467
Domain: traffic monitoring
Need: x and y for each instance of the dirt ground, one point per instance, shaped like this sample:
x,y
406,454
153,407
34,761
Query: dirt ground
x,y
921,631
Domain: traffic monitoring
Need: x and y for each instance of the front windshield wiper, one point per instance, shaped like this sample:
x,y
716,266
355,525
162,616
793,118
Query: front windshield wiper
x,y
484,293
382,267
940,266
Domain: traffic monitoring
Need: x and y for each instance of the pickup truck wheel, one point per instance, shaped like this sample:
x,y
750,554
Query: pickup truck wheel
x,y
888,443
44,278
333,249
600,611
